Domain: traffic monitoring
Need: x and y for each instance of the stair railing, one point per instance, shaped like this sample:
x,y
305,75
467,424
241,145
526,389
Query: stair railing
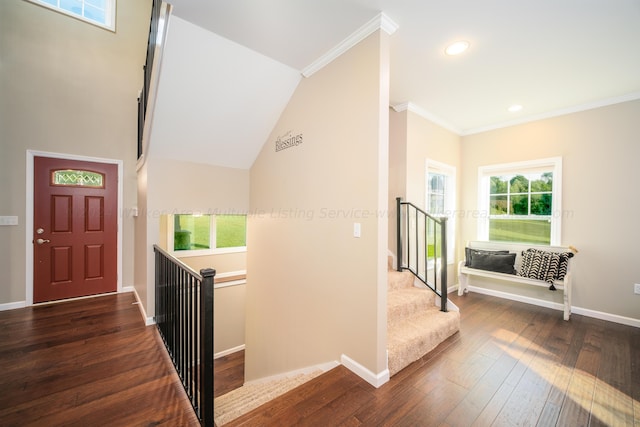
x,y
422,246
184,317
158,25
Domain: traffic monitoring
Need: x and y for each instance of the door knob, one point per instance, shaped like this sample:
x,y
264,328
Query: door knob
x,y
41,241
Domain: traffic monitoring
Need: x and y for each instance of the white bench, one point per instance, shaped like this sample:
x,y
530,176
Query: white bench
x,y
561,285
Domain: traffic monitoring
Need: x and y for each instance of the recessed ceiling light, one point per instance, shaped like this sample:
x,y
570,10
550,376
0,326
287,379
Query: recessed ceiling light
x,y
514,108
456,48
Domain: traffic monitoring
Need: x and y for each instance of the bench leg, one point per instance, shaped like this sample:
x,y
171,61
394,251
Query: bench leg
x,y
567,296
462,284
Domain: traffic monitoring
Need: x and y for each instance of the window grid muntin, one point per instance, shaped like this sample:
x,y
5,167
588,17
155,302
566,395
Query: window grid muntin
x,y
109,10
213,249
528,194
447,191
540,166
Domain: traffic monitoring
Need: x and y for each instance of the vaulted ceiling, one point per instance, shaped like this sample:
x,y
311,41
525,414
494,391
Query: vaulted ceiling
x,y
549,56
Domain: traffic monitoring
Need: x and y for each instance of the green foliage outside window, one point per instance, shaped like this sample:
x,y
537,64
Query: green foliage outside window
x,y
525,203
231,231
193,232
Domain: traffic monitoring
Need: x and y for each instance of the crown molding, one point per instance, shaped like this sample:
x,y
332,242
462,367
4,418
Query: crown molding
x,y
426,115
561,112
380,22
527,119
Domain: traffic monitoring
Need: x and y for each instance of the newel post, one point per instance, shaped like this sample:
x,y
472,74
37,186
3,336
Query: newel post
x,y
445,266
206,346
398,233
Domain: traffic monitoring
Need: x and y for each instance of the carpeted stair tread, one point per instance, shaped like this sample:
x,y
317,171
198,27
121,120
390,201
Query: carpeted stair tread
x,y
398,280
410,339
405,302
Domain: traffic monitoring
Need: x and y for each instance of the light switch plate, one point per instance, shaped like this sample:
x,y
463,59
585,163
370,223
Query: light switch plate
x,y
8,220
356,229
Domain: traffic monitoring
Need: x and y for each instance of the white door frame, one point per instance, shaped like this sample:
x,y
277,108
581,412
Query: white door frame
x,y
29,213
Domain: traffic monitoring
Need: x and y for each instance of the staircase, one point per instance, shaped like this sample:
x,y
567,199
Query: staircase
x,y
415,325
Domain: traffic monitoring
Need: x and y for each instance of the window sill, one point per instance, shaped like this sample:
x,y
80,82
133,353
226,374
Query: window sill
x,y
224,280
205,252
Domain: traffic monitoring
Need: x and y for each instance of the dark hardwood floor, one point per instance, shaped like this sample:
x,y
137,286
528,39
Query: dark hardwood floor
x,y
89,362
92,362
511,364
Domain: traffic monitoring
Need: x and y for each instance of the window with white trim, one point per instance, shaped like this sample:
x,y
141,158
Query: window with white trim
x,y
441,199
197,234
521,202
97,12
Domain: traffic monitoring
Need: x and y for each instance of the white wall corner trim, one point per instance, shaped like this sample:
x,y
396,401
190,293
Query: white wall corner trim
x,y
375,380
380,22
629,321
426,115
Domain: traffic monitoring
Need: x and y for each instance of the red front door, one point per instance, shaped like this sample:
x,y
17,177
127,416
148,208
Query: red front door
x,y
75,228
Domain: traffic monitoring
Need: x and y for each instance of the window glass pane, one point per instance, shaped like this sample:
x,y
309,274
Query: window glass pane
x,y
498,205
94,14
191,232
74,6
77,178
231,231
541,204
100,12
100,4
519,205
436,204
440,202
520,199
520,230
436,183
436,193
542,182
519,184
498,185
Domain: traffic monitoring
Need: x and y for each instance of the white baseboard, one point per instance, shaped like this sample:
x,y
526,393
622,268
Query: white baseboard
x,y
375,380
394,260
148,321
629,321
227,352
557,306
13,305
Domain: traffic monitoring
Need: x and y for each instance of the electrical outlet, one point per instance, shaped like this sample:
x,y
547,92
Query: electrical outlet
x,y
636,288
